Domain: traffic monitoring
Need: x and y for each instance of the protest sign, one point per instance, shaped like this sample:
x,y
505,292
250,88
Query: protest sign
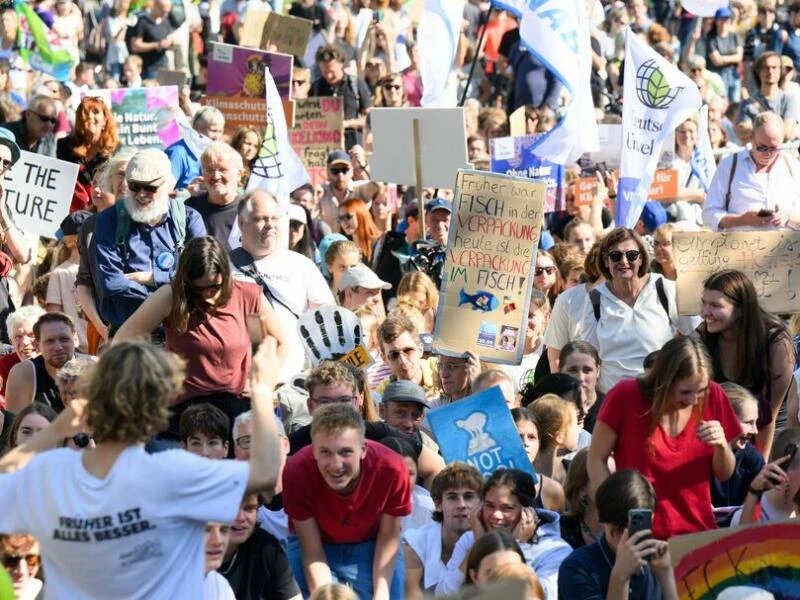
x,y
478,430
359,357
703,8
763,556
145,116
486,278
253,27
287,34
237,85
664,185
167,77
584,190
317,132
442,148
514,156
516,122
610,151
38,193
769,258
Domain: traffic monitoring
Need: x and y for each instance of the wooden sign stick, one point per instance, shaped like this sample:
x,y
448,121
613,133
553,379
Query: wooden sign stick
x,y
418,179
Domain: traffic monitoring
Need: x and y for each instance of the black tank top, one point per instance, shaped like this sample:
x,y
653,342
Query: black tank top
x,y
44,387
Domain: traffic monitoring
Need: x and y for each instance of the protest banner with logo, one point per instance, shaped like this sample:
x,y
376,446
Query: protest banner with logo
x,y
442,145
658,97
237,84
318,131
490,258
35,193
769,258
514,156
145,116
763,557
478,430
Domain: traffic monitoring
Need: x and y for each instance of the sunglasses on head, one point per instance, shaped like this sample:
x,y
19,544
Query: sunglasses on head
x,y
630,255
541,270
142,187
339,170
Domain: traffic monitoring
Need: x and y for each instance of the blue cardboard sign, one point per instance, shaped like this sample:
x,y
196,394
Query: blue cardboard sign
x,y
515,156
479,430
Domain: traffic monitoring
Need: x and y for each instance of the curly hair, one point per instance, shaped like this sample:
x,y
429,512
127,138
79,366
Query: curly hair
x,y
130,392
109,138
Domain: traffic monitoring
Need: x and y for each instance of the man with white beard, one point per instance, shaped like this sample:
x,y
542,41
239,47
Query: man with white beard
x,y
139,239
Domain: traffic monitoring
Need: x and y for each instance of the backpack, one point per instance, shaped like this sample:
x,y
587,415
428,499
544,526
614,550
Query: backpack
x,y
177,211
594,297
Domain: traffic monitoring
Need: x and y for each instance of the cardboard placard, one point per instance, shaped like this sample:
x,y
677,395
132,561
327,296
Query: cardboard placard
x,y
443,145
478,430
490,258
287,34
664,184
584,190
38,193
317,132
514,156
145,116
359,357
761,556
167,77
236,84
769,258
253,27
516,122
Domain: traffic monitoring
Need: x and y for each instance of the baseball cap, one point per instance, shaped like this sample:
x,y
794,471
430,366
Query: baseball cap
x,y
339,157
297,213
362,276
653,215
7,139
439,204
324,244
148,165
405,391
71,224
723,13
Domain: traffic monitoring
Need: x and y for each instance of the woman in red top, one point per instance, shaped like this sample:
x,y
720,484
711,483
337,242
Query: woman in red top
x,y
674,425
205,315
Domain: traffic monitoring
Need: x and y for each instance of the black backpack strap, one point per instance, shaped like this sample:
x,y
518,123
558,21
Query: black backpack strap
x,y
242,260
662,297
594,298
730,181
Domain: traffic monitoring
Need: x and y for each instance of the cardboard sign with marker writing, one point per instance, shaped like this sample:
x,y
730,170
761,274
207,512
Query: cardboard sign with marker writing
x,y
38,193
318,131
253,27
486,278
771,259
287,34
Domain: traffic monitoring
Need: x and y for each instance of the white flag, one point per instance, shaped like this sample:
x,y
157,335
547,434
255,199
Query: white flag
x,y
703,8
658,97
277,168
703,164
556,33
438,34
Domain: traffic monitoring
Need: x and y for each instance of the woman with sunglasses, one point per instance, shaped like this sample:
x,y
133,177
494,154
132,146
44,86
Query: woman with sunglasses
x,y
206,313
547,277
355,223
632,313
21,559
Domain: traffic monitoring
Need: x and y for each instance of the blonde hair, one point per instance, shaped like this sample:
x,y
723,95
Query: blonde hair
x,y
417,281
333,591
130,392
409,308
552,414
369,325
340,248
522,572
738,396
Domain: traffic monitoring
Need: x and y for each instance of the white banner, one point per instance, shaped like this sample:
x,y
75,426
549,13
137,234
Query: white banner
x,y
703,8
658,97
556,32
439,31
38,192
703,164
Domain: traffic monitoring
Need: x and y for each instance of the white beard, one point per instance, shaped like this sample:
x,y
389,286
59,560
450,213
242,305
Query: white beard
x,y
152,214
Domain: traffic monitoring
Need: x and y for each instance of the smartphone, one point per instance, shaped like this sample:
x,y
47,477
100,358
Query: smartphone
x,y
791,451
639,519
766,212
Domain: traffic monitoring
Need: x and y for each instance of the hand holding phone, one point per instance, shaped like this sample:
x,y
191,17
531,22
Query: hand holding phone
x,y
766,212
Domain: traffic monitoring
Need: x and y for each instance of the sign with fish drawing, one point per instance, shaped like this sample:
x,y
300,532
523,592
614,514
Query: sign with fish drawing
x,y
488,269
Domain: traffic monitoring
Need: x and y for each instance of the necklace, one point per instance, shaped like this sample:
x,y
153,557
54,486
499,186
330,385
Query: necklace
x,y
600,543
586,530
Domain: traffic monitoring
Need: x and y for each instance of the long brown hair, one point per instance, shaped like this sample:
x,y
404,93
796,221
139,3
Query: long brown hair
x,y
109,139
202,257
366,232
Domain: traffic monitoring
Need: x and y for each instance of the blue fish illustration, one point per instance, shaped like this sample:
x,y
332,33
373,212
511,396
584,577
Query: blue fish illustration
x,y
481,300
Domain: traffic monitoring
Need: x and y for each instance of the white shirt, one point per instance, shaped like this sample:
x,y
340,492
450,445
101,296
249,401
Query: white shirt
x,y
422,508
297,282
137,533
517,372
216,587
780,187
426,542
566,316
274,522
625,335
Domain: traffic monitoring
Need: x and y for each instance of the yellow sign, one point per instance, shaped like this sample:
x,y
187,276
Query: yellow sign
x,y
359,357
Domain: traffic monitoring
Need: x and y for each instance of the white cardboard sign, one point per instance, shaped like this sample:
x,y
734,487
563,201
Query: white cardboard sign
x,y
38,193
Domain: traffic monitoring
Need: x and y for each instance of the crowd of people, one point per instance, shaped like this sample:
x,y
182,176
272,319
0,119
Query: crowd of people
x,y
176,419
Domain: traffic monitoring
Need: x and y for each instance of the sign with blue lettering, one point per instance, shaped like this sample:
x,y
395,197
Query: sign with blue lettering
x,y
514,156
479,430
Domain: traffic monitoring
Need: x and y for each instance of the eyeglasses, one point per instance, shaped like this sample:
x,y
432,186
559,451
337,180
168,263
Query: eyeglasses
x,y
299,81
344,217
630,255
541,270
135,187
339,170
768,149
392,86
339,400
11,562
45,118
243,442
393,355
5,164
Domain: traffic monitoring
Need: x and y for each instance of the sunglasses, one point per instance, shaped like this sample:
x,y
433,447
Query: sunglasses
x,y
630,255
5,164
345,217
299,81
11,562
339,170
541,270
46,119
393,355
142,187
768,149
392,86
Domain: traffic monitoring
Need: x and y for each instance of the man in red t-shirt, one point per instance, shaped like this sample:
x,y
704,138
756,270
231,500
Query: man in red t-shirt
x,y
345,497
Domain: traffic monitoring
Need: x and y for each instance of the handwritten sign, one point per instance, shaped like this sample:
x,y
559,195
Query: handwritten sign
x,y
514,156
584,190
253,27
486,278
664,184
286,34
478,430
771,259
145,116
317,132
38,193
762,556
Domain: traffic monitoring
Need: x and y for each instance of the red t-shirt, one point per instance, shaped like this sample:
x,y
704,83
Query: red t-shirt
x,y
679,468
384,488
217,348
7,361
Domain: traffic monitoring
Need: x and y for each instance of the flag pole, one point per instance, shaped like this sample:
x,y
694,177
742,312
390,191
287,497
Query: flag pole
x,y
477,53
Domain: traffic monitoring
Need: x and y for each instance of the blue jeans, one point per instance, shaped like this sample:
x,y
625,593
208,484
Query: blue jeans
x,y
350,564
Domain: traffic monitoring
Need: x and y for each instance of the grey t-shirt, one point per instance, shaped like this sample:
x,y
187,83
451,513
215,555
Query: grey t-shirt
x,y
782,104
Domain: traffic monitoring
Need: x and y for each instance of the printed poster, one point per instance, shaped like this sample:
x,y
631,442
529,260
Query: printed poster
x,y
488,268
318,131
145,116
513,156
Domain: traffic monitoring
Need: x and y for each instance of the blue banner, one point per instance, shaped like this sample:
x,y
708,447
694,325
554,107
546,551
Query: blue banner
x,y
514,156
479,430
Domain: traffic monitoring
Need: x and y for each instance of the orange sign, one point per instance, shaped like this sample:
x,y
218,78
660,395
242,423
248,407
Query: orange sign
x,y
664,185
585,190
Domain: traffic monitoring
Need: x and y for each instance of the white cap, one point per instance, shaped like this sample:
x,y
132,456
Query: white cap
x,y
297,213
362,276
